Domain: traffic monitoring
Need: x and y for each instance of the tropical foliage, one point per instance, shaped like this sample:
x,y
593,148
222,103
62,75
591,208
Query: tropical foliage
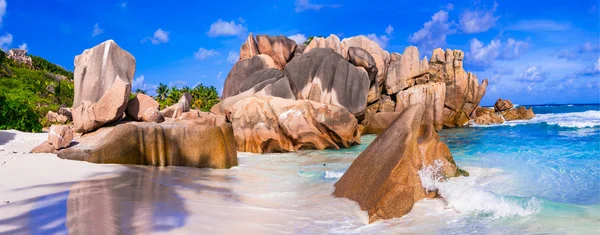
x,y
203,97
29,93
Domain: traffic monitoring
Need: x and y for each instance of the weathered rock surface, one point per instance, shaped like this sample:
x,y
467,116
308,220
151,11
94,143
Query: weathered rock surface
x,y
171,143
242,70
280,48
60,136
487,116
333,42
520,113
379,122
271,124
405,72
360,57
249,49
176,110
143,108
103,76
53,117
430,94
384,178
381,57
503,105
463,92
89,115
322,75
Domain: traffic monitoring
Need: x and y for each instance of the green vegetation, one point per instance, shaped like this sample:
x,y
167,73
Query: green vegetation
x,y
29,93
203,97
310,39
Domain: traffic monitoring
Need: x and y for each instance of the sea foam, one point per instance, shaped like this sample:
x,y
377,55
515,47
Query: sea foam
x,y
464,195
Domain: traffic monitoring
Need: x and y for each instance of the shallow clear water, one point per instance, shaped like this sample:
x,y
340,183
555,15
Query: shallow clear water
x,y
528,177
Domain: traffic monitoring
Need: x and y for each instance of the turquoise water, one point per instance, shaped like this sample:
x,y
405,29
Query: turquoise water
x,y
540,176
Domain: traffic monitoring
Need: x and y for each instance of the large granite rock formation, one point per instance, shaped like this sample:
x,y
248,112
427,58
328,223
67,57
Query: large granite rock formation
x,y
321,75
503,105
249,48
333,42
280,48
242,70
384,179
272,124
487,116
520,113
192,143
463,92
103,76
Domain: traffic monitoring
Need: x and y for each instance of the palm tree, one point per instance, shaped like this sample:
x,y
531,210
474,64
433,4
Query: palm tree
x,y
161,92
173,96
186,89
140,91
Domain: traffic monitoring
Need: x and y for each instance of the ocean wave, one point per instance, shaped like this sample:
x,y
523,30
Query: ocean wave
x,y
587,119
465,196
334,174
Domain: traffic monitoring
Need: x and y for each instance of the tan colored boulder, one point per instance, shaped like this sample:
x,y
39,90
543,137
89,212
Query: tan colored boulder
x,y
380,122
60,136
171,143
280,48
503,105
256,127
520,113
89,115
333,42
249,49
53,117
176,110
242,70
203,118
489,118
381,57
143,108
404,73
360,57
386,104
103,76
384,179
432,95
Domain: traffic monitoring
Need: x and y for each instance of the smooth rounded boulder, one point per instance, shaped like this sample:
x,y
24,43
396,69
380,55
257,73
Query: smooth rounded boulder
x,y
242,70
280,48
143,108
60,136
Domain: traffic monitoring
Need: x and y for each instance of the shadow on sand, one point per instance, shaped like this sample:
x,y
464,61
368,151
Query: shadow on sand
x,y
5,137
137,201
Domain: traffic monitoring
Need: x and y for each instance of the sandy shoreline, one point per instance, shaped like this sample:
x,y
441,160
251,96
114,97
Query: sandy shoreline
x,y
27,179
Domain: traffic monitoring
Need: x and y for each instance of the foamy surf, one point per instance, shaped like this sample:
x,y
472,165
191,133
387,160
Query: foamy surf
x,y
464,195
587,119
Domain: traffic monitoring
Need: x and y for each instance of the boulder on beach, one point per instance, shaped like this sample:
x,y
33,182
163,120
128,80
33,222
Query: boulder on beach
x,y
54,117
384,179
272,124
171,143
144,108
176,110
103,76
60,136
379,122
487,116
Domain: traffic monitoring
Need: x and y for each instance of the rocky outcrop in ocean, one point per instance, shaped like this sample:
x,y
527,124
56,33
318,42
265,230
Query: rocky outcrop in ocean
x,y
503,110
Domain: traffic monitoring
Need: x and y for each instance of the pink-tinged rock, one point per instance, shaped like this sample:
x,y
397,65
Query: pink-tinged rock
x,y
249,48
143,108
60,136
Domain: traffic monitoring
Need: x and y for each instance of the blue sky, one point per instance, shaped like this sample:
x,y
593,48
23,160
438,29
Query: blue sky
x,y
533,52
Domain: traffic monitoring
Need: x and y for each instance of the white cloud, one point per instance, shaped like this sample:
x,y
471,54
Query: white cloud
x,y
23,47
204,53
6,41
224,28
389,30
160,36
381,40
298,38
539,25
233,57
219,74
484,55
2,10
533,74
97,30
123,4
450,7
303,5
433,33
478,21
138,83
597,66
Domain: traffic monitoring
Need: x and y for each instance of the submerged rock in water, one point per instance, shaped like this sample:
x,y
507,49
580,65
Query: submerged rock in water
x,y
384,178
487,116
503,105
520,113
171,143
